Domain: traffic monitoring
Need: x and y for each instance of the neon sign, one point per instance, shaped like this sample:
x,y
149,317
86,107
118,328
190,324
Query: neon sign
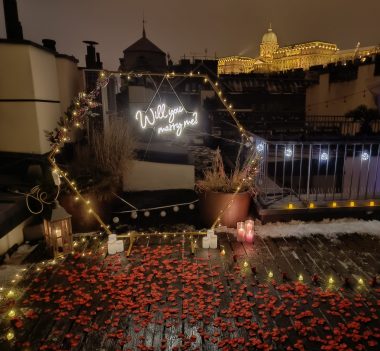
x,y
167,119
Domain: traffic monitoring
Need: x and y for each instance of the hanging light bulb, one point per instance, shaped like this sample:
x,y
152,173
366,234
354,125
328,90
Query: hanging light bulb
x,y
163,213
134,214
270,274
175,208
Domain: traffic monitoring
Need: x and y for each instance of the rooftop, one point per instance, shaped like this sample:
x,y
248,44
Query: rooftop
x,y
278,292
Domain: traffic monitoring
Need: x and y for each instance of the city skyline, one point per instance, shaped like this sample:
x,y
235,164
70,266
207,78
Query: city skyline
x,y
223,28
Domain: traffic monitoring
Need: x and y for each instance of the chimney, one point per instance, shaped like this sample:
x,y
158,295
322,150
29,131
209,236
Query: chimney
x,y
12,23
91,54
99,64
49,44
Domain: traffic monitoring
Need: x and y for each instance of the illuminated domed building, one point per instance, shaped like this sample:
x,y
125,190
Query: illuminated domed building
x,y
274,58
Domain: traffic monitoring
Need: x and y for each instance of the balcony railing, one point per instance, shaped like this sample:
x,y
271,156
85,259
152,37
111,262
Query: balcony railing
x,y
323,173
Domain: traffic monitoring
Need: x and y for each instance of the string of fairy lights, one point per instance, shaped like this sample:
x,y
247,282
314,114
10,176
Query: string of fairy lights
x,y
83,248
86,101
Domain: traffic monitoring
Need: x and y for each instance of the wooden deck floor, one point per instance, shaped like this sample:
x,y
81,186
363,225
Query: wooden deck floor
x,y
164,298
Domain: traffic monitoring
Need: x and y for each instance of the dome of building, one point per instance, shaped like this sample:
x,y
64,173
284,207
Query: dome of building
x,y
269,36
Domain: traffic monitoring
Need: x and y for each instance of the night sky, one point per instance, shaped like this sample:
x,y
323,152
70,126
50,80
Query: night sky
x,y
224,27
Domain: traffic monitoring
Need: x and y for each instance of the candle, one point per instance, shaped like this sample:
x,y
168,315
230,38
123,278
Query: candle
x,y
205,242
213,242
240,231
249,236
249,225
58,235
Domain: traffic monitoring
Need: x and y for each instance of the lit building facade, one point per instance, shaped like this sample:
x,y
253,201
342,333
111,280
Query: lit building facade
x,y
274,58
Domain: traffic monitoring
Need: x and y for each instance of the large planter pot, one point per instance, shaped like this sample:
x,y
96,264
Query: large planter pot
x,y
211,203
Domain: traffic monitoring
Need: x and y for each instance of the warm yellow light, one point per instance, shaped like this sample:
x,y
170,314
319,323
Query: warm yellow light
x,y
90,210
290,206
270,274
10,335
10,293
11,313
331,280
372,203
300,277
223,252
88,202
334,204
76,198
361,281
311,205
245,264
352,203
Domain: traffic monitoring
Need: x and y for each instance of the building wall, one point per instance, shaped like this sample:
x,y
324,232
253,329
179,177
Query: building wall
x,y
35,88
158,176
337,98
70,81
19,128
304,55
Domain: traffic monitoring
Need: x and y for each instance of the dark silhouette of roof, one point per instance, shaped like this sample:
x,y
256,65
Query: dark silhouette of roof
x,y
143,45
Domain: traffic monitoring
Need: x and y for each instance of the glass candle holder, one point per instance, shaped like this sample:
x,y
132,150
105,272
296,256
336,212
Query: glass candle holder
x,y
240,231
249,236
249,225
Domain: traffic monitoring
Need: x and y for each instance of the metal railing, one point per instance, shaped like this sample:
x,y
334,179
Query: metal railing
x,y
321,173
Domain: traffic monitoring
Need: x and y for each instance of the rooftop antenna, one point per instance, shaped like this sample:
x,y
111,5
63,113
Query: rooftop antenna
x,y
144,34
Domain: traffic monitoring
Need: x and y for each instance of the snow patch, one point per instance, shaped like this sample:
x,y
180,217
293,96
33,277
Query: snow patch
x,y
330,228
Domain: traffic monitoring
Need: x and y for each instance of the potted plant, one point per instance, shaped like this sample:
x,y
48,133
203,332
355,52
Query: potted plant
x,y
98,169
225,198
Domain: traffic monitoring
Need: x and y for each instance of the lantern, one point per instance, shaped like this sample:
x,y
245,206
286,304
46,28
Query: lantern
x,y
57,231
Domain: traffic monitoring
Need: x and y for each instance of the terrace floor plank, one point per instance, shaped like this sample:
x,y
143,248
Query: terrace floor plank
x,y
163,297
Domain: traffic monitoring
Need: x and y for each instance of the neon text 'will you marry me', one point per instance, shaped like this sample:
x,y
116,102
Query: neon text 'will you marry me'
x,y
166,119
